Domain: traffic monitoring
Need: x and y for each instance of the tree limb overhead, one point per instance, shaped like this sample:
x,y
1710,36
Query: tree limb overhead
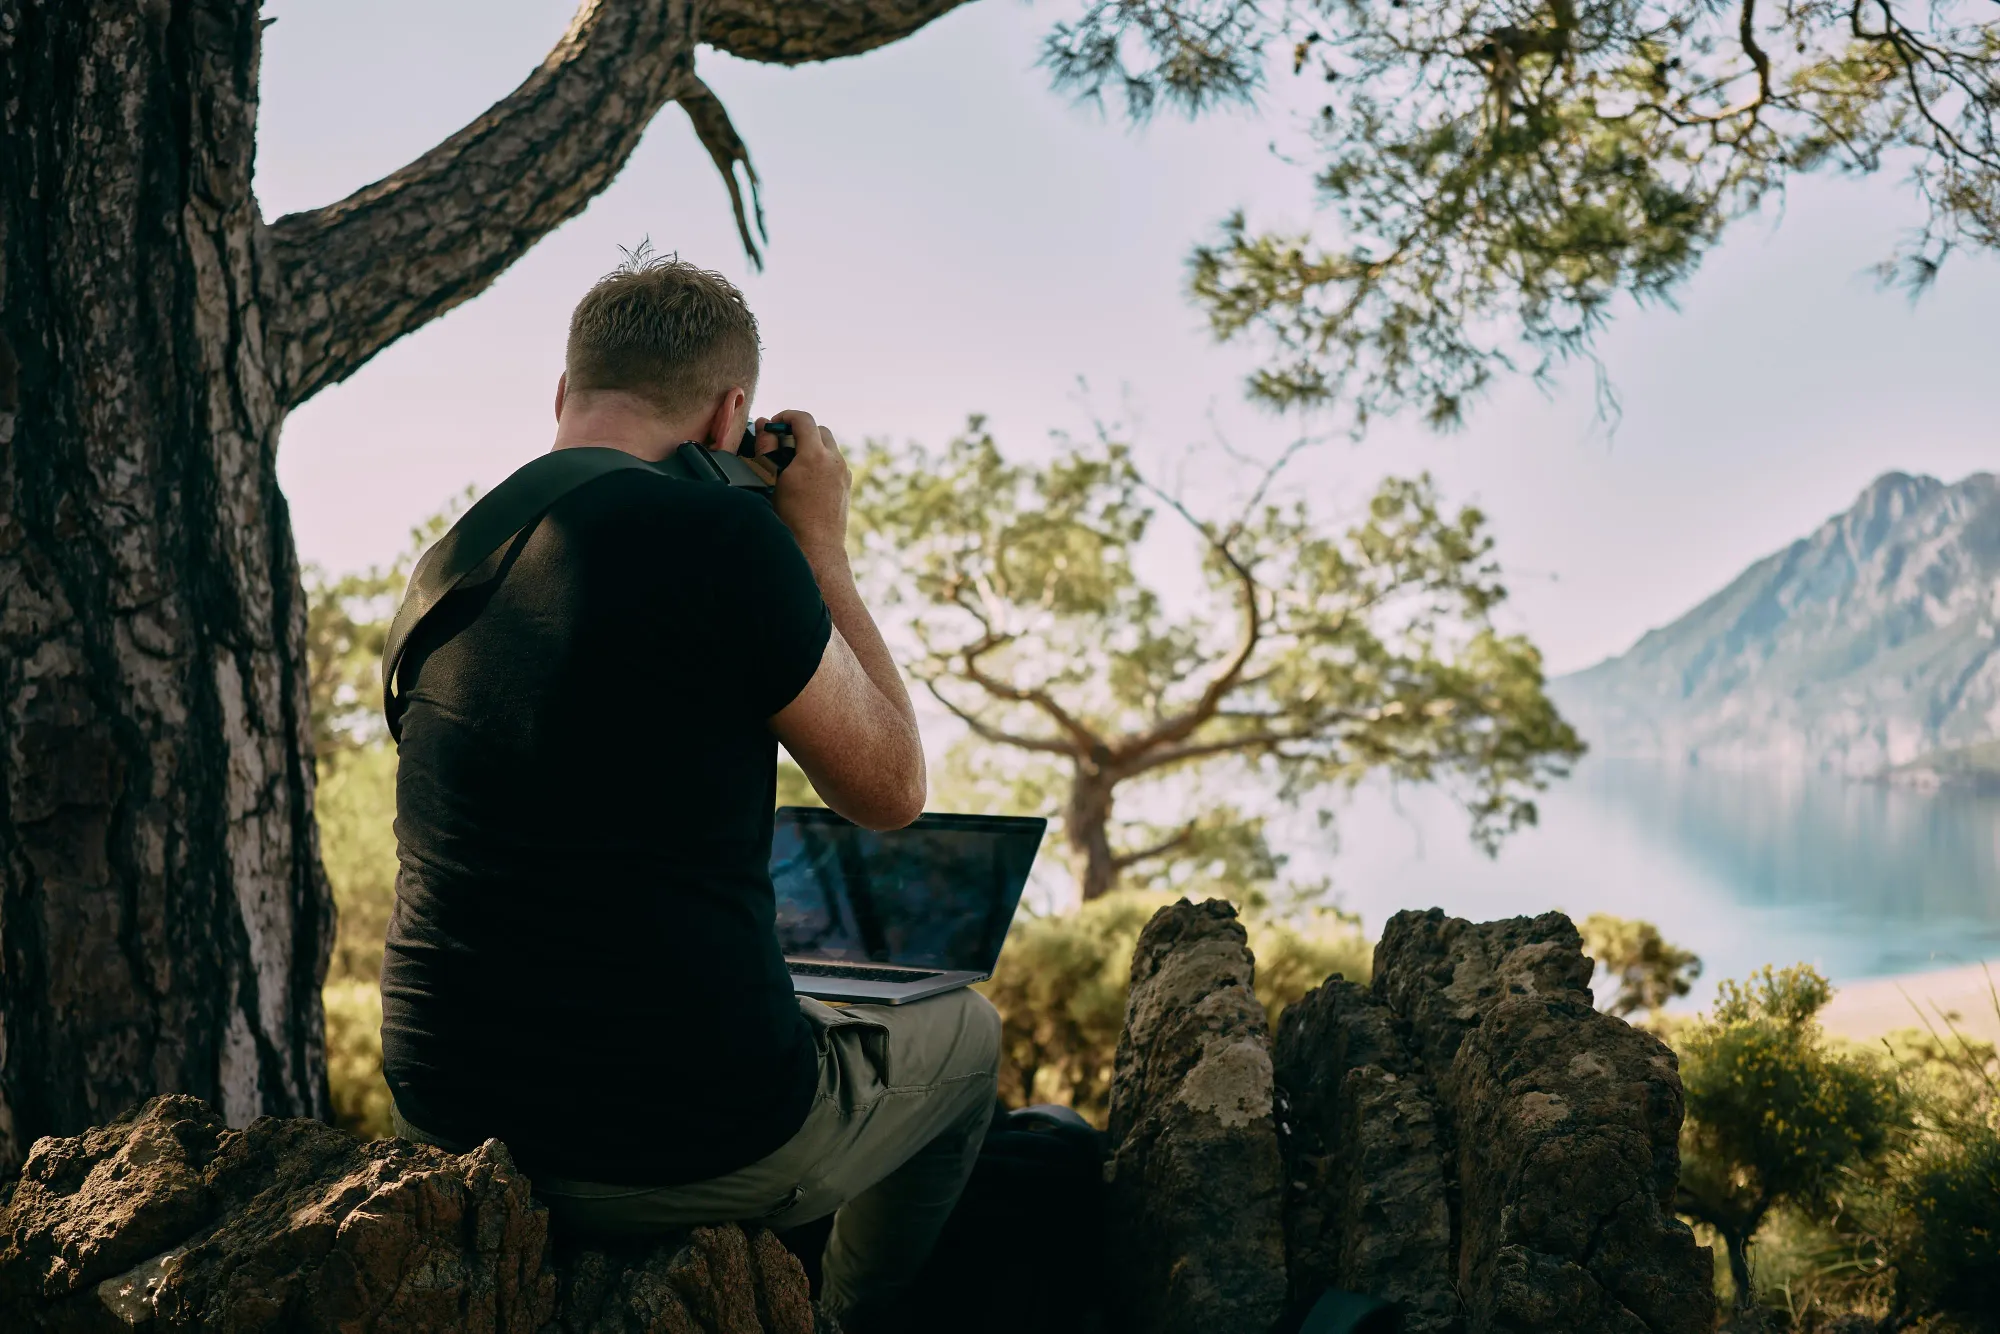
x,y
388,259
791,32
359,274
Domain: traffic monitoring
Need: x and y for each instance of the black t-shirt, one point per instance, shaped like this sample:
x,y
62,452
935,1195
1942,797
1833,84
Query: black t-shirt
x,y
582,960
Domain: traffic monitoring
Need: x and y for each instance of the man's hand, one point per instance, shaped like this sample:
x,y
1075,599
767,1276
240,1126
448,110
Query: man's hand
x,y
812,491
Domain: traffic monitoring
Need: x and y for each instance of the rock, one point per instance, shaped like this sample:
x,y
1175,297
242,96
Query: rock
x,y
1196,1236
1468,1137
718,1280
169,1219
1369,1208
1566,1123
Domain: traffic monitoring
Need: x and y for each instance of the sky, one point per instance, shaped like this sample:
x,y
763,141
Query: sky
x,y
950,236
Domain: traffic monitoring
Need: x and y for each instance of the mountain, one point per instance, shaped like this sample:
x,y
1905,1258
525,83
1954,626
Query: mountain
x,y
1871,645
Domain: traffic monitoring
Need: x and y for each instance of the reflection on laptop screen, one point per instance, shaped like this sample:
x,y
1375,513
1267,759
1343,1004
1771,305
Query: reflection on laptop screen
x,y
938,894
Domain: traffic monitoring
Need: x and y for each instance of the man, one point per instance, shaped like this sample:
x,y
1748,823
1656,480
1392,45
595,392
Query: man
x,y
582,961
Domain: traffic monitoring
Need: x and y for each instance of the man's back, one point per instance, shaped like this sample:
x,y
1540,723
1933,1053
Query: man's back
x,y
582,960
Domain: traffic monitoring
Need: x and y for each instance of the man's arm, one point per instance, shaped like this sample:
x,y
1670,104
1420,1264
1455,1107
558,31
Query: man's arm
x,y
852,729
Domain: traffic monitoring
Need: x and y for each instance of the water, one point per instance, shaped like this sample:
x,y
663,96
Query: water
x,y
1743,868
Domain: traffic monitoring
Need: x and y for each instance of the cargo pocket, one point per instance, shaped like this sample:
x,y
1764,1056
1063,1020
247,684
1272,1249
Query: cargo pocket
x,y
849,1024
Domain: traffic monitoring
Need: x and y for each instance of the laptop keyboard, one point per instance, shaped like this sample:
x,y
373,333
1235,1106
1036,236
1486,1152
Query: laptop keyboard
x,y
860,972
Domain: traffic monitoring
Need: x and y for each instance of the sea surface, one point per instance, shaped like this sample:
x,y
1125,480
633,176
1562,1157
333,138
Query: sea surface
x,y
1744,868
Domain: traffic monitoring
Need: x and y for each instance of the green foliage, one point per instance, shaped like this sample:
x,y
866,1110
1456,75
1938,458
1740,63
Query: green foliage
x,y
1315,656
1649,971
1935,1212
1294,955
356,806
1062,984
354,1057
1499,172
1944,1235
794,788
1909,1238
347,622
1815,1266
1775,1114
1060,988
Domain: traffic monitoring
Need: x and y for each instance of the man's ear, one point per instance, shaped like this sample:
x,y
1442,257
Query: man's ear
x,y
562,392
727,410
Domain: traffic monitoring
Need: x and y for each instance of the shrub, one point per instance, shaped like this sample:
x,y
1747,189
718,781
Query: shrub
x,y
1293,957
354,1057
356,804
1062,982
1946,1237
1060,989
1937,1211
1775,1114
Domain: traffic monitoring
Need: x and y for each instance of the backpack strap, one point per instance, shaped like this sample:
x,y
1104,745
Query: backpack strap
x,y
489,525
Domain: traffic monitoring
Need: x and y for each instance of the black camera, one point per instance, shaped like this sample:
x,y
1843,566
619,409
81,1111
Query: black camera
x,y
702,464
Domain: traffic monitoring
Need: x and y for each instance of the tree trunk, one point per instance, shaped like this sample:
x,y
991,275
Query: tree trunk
x,y
164,919
164,922
1737,1243
1087,831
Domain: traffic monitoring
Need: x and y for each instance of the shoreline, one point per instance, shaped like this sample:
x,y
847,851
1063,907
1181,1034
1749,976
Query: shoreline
x,y
1867,1010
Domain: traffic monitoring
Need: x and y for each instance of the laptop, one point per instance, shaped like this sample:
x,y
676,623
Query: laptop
x,y
889,917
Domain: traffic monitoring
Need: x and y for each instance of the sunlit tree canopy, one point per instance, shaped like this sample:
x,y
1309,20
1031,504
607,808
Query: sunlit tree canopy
x,y
1315,653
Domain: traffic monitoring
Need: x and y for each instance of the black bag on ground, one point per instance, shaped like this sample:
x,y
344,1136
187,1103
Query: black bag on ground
x,y
1024,1249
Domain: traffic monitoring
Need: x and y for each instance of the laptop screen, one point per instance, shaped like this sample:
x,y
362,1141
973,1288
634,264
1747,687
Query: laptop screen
x,y
937,894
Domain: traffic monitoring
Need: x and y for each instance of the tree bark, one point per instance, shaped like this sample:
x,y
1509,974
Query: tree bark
x,y
1736,1241
164,922
791,32
1087,831
164,919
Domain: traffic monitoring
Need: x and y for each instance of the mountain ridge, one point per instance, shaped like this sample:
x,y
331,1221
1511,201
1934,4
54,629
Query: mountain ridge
x,y
1865,645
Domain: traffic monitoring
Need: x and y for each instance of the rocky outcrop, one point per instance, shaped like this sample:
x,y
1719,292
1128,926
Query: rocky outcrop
x,y
168,1219
1196,1233
720,1280
1368,1159
1467,1137
1567,1123
1476,1081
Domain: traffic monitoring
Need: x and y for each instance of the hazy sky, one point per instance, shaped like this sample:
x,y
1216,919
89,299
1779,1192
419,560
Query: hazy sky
x,y
949,236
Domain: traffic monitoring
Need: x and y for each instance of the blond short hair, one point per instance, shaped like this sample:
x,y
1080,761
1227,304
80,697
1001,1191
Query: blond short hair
x,y
675,335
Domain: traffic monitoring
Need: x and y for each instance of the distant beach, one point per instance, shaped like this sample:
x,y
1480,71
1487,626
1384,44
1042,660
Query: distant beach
x,y
1867,1010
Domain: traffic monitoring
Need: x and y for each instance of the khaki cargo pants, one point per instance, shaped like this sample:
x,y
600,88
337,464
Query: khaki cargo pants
x,y
905,1095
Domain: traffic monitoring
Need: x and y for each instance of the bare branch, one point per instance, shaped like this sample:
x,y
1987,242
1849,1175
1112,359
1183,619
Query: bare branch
x,y
1085,739
1233,744
1183,724
1125,861
986,731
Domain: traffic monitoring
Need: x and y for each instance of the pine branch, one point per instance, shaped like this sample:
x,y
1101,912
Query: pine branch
x,y
357,275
